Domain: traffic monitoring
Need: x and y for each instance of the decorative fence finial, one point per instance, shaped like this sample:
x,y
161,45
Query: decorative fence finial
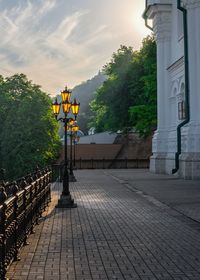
x,y
3,195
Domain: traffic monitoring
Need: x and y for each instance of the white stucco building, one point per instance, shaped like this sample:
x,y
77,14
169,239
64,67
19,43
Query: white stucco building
x,y
177,136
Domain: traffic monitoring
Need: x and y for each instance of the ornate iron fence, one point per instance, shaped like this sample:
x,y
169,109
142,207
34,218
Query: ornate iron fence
x,y
21,205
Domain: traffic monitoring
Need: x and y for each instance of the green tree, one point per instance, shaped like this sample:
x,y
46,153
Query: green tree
x,y
127,98
112,98
143,113
29,132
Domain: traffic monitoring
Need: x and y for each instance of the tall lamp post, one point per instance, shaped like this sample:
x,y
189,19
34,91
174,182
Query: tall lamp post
x,y
71,126
65,200
75,128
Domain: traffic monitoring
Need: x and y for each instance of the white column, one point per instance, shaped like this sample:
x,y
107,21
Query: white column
x,y
162,22
163,57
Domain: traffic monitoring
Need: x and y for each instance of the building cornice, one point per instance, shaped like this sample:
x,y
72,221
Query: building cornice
x,y
158,8
176,65
161,17
152,2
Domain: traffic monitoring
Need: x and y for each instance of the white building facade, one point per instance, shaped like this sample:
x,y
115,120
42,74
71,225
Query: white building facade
x,y
176,142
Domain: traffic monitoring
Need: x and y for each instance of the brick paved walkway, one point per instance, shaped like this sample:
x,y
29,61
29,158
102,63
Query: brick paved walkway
x,y
115,233
181,195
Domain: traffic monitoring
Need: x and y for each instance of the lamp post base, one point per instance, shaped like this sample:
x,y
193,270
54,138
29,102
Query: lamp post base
x,y
65,201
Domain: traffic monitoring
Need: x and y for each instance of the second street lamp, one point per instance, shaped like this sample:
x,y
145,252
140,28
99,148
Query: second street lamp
x,y
75,130
65,200
71,173
75,108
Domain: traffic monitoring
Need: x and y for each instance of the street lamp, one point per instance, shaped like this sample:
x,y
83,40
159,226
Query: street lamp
x,y
75,108
65,200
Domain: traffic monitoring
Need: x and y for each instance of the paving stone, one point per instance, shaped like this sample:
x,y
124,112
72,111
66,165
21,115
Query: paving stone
x,y
116,232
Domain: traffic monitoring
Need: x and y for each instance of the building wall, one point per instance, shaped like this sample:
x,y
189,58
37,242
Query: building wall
x,y
168,28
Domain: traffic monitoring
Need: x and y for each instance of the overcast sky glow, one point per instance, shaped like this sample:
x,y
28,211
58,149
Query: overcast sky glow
x,y
59,42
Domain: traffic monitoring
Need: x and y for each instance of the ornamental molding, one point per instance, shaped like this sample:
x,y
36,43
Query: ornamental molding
x,y
162,26
153,2
173,89
161,15
180,97
157,8
176,66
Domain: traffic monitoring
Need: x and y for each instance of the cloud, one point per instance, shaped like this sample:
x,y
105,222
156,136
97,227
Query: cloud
x,y
66,27
59,41
40,52
47,6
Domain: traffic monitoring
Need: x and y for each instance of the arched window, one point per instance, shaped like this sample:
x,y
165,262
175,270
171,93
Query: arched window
x,y
172,114
174,92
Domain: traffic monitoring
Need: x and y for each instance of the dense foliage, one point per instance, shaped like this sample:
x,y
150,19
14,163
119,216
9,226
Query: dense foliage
x,y
28,134
127,99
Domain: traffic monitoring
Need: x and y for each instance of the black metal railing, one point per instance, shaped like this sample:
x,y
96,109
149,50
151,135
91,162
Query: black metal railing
x,y
57,169
21,205
111,163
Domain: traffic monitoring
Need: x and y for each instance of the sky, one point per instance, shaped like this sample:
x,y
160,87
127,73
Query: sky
x,y
66,42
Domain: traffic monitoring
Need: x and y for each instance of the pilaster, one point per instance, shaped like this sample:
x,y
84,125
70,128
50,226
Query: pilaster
x,y
190,156
161,15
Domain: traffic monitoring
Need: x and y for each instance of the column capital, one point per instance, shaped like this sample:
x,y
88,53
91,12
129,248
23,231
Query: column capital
x,y
153,2
161,15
